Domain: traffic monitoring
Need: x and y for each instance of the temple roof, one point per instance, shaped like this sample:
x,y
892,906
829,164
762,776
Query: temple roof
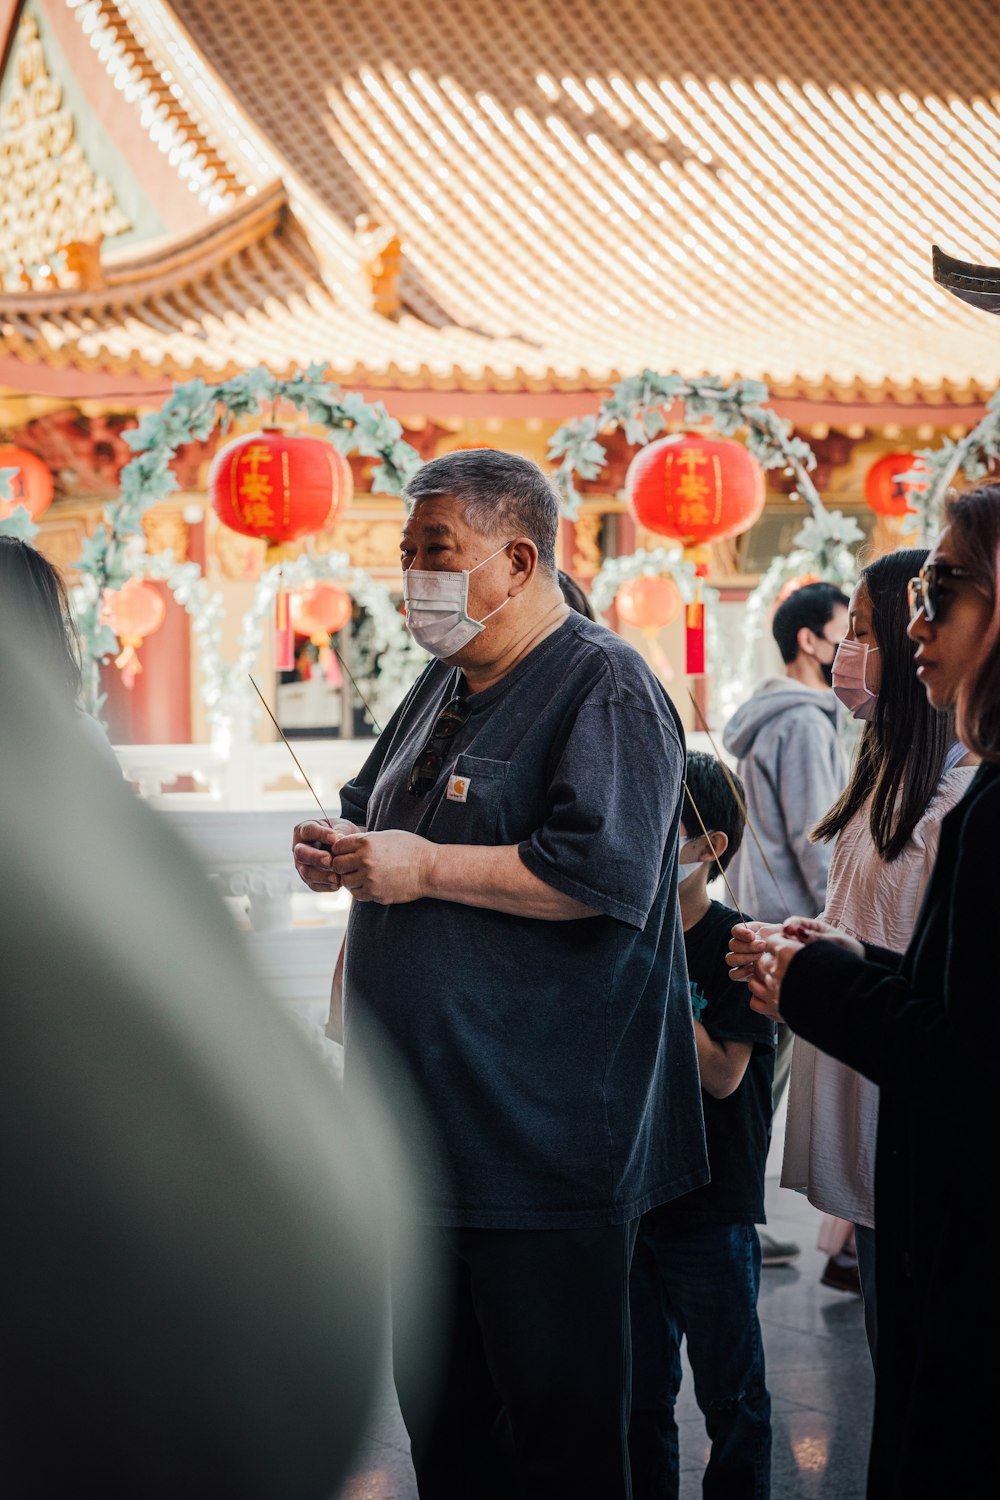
x,y
547,195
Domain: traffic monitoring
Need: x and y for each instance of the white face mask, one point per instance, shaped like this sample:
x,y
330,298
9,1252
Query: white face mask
x,y
849,668
684,872
436,604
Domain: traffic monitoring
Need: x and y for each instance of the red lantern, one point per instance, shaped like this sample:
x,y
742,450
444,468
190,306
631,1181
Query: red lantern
x,y
31,486
788,589
884,492
648,603
319,612
279,485
695,489
133,612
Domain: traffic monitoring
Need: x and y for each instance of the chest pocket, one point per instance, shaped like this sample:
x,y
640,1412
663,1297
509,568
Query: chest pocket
x,y
468,811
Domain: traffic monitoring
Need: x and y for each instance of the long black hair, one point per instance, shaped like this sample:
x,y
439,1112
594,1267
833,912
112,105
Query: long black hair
x,y
903,747
36,589
973,522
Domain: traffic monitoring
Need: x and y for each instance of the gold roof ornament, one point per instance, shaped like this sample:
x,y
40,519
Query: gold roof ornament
x,y
49,195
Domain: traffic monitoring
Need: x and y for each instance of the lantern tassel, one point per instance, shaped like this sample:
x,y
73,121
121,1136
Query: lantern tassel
x,y
128,663
329,664
694,635
284,635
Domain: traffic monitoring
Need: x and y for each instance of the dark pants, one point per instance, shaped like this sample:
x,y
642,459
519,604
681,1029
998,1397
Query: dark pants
x,y
532,1367
702,1285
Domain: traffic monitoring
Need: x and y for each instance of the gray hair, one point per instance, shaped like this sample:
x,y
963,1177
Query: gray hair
x,y
500,494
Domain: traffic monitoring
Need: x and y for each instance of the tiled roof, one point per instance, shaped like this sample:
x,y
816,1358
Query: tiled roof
x,y
244,290
581,190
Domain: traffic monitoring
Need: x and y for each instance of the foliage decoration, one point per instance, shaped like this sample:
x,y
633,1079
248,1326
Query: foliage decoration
x,y
19,523
974,456
638,406
109,557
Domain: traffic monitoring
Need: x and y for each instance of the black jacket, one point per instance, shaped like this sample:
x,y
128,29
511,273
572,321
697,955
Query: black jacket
x,y
925,1027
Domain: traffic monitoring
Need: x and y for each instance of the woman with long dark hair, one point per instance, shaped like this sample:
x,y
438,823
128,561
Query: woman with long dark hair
x,y
42,609
924,1026
909,771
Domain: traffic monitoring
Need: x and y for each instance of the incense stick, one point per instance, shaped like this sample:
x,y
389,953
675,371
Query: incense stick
x,y
715,856
741,803
291,752
354,685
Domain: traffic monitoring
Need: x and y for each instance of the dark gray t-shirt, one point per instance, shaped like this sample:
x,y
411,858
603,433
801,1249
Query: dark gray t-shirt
x,y
555,1060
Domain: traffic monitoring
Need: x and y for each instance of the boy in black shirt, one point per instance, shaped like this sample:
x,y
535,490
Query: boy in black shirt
x,y
696,1268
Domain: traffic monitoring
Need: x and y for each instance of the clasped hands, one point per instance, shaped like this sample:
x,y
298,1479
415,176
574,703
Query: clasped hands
x,y
760,952
390,867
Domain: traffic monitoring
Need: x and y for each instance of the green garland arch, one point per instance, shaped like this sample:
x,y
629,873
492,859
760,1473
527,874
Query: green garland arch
x,y
638,406
116,551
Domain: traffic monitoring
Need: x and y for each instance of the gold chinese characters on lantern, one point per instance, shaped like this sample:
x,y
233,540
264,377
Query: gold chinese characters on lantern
x,y
696,490
278,485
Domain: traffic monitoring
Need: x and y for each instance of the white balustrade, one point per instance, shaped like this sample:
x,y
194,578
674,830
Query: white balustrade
x,y
239,824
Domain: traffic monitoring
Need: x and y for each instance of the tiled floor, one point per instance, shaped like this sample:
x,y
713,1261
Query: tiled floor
x,y
818,1372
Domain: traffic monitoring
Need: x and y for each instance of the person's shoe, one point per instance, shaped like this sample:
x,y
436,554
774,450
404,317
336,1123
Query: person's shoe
x,y
841,1273
775,1252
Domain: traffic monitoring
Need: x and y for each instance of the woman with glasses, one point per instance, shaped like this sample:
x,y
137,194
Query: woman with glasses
x,y
924,1026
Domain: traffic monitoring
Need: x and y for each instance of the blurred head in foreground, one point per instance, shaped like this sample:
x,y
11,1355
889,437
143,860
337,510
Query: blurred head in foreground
x,y
191,1288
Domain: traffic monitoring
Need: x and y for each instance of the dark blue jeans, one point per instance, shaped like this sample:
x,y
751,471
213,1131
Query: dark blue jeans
x,y
700,1285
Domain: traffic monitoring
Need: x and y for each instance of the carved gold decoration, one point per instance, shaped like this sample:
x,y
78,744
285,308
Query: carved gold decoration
x,y
239,557
166,531
369,544
49,197
587,555
83,263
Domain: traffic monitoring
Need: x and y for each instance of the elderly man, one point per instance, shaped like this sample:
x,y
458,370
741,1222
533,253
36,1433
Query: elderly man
x,y
511,848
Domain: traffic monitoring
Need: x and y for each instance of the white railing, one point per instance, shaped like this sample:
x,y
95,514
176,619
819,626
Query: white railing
x,y
239,825
243,776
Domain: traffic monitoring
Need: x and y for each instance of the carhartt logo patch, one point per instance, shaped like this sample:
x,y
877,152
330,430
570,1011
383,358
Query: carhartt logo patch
x,y
458,788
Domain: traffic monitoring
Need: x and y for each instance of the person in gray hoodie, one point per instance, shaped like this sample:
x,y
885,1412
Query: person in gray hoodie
x,y
792,762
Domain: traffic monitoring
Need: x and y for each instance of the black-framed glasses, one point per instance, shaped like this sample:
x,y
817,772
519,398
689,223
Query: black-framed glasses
x,y
925,593
427,767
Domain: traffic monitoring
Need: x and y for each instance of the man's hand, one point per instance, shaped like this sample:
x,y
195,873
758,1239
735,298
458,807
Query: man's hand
x,y
391,867
314,864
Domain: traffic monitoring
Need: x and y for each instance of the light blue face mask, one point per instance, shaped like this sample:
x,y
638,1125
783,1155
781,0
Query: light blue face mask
x,y
436,604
